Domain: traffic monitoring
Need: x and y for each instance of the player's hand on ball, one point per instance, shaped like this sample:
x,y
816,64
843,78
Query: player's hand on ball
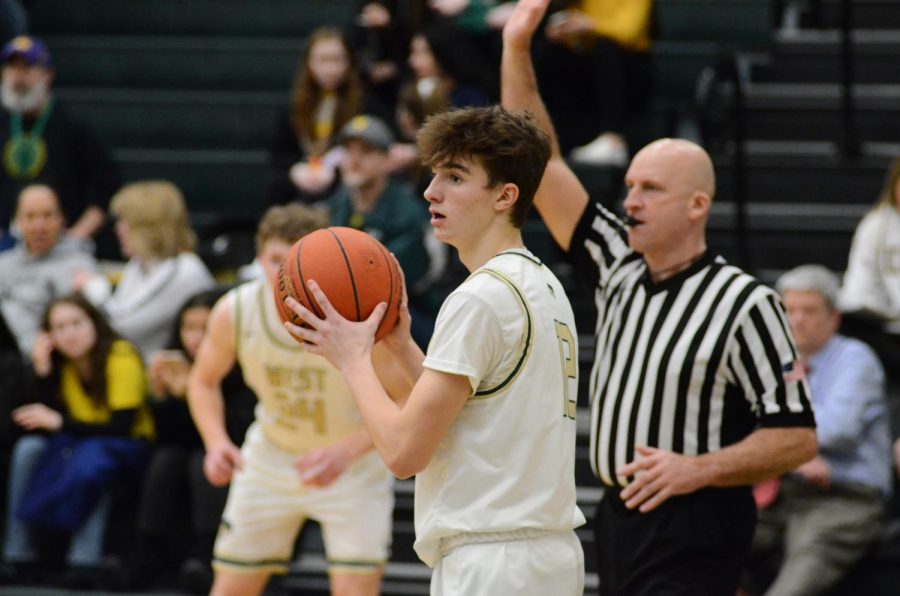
x,y
320,467
340,341
220,463
400,335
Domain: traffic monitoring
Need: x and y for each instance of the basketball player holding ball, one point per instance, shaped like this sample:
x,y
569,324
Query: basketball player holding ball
x,y
307,455
489,426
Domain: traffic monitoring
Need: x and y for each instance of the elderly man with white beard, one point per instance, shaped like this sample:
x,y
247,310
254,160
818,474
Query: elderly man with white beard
x,y
42,144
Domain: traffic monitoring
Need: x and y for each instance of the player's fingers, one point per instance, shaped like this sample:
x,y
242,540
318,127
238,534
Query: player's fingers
x,y
304,313
377,314
303,334
322,300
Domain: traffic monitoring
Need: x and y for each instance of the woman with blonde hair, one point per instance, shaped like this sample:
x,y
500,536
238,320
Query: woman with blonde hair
x,y
154,232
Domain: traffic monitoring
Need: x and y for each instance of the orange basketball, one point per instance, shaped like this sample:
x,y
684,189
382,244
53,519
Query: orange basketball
x,y
354,270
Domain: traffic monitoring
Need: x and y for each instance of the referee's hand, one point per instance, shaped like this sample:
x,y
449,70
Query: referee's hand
x,y
658,475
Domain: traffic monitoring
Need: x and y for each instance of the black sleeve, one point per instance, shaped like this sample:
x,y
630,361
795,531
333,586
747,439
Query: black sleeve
x,y
13,393
284,152
119,425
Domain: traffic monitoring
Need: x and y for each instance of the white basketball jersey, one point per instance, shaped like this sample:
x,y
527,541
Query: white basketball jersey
x,y
304,402
508,461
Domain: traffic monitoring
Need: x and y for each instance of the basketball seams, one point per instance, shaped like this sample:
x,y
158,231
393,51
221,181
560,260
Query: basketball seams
x,y
391,299
313,305
349,272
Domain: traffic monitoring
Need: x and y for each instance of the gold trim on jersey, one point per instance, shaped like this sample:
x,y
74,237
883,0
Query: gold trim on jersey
x,y
529,334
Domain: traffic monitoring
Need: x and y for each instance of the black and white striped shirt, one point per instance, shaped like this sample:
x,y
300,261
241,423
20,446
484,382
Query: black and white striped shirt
x,y
691,364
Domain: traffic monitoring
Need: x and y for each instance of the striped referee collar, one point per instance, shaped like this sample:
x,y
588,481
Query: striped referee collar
x,y
705,260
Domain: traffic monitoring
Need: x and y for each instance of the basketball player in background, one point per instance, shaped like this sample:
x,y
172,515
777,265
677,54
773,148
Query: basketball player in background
x,y
307,454
489,426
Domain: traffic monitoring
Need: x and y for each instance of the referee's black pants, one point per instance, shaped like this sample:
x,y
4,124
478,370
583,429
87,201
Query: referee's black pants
x,y
692,545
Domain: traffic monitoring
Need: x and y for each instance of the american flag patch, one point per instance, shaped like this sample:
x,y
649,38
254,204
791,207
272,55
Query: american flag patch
x,y
794,371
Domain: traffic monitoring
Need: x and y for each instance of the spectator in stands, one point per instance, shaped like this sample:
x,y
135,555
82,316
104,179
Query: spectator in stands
x,y
414,106
179,511
13,20
595,71
154,232
13,386
42,266
327,93
872,280
440,59
369,200
88,428
829,511
42,143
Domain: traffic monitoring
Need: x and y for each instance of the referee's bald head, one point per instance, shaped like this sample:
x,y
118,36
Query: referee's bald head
x,y
686,159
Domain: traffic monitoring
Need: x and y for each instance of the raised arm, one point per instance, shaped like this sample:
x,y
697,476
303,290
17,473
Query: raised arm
x,y
561,198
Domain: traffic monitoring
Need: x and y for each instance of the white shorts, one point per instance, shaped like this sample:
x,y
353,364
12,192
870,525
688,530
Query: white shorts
x,y
551,563
267,506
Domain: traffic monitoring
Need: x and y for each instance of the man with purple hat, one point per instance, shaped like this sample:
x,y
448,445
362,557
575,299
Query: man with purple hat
x,y
40,143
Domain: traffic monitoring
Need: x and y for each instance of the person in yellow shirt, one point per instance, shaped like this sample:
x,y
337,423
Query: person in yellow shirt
x,y
89,427
595,73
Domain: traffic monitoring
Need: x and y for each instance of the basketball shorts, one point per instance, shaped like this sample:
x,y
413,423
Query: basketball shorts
x,y
550,563
267,506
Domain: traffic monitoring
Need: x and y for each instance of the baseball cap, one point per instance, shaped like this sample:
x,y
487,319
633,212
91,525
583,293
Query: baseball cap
x,y
368,129
30,49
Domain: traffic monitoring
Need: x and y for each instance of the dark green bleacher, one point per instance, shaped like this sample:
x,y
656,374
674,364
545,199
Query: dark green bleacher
x,y
216,18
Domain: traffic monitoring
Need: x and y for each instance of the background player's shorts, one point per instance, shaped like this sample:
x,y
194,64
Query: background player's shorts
x,y
267,506
551,563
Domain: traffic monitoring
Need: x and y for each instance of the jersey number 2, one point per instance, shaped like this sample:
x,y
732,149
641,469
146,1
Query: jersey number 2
x,y
568,359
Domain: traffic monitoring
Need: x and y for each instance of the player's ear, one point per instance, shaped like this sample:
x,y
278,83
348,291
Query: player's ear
x,y
509,194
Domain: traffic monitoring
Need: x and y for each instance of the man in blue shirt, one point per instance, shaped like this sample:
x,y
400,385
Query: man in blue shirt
x,y
829,510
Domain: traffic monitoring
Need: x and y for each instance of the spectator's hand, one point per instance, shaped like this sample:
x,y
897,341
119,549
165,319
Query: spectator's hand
x,y
449,8
381,71
374,15
568,26
497,17
40,354
81,279
37,417
220,463
658,475
320,467
155,374
816,471
402,156
310,177
522,23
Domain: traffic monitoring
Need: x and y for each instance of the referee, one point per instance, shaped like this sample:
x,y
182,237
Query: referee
x,y
694,390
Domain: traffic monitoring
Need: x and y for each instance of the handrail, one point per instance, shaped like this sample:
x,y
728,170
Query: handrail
x,y
727,69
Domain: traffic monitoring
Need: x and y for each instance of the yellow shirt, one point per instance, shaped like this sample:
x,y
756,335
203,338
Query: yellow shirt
x,y
126,388
626,22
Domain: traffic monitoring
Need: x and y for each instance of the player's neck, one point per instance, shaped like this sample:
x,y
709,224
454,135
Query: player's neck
x,y
489,245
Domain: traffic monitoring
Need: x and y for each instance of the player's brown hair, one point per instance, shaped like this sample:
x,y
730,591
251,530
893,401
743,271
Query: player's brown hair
x,y
289,223
508,145
157,218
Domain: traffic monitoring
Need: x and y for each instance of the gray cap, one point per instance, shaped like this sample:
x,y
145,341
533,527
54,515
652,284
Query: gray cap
x,y
368,129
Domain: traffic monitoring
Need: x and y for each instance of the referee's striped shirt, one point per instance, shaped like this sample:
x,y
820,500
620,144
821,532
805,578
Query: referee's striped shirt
x,y
691,364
